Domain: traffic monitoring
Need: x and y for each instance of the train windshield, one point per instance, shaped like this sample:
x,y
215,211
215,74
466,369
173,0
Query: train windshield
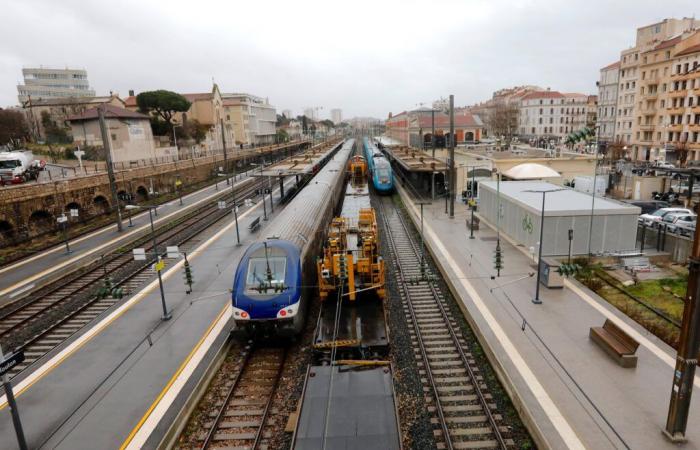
x,y
258,276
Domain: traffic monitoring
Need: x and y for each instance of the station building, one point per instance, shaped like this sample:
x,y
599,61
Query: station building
x,y
567,209
414,128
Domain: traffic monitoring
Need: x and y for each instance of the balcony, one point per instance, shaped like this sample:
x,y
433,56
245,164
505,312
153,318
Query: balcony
x,y
674,128
646,127
675,110
651,96
678,93
649,111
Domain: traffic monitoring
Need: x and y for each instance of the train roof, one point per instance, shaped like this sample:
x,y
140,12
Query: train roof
x,y
301,218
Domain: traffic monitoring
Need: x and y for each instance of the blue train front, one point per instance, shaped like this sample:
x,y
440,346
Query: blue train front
x,y
267,290
379,167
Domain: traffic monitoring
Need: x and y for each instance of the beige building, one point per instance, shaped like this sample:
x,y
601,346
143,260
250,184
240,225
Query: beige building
x,y
552,115
130,134
607,102
642,117
253,118
58,110
208,109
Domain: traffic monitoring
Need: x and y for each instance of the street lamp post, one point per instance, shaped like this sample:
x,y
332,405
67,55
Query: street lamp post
x,y
537,300
166,315
595,179
235,208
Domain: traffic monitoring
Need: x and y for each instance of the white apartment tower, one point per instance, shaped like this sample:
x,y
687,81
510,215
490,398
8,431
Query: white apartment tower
x,y
337,115
607,102
45,83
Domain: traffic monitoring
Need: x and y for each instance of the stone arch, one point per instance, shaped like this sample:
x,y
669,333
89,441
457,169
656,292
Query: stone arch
x,y
74,205
40,221
101,204
141,194
7,230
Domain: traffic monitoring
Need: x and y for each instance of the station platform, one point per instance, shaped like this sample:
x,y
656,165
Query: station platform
x,y
300,164
548,363
21,277
122,382
413,160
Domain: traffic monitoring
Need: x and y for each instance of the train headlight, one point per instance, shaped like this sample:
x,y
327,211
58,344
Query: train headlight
x,y
239,314
288,311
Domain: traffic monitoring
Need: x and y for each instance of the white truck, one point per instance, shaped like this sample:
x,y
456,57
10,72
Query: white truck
x,y
19,166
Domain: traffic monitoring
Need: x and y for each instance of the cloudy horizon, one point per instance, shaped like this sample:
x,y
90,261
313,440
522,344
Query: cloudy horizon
x,y
367,58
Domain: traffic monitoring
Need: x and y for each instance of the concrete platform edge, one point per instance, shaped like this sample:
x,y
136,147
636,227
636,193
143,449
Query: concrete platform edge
x,y
508,384
190,402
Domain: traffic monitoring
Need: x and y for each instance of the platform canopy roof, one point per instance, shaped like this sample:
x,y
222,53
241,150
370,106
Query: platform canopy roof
x,y
531,171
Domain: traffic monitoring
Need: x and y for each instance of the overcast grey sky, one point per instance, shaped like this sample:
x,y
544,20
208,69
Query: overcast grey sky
x,y
366,57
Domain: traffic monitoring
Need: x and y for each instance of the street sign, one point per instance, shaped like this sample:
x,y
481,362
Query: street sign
x,y
222,204
139,254
159,266
178,183
172,252
11,361
74,212
62,219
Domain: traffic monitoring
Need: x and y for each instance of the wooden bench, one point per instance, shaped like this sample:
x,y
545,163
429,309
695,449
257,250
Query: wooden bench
x,y
616,343
254,225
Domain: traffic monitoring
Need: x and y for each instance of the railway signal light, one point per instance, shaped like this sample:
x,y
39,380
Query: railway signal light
x,y
189,278
568,270
498,259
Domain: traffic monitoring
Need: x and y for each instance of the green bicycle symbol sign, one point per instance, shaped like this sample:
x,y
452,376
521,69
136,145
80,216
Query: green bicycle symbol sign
x,y
527,224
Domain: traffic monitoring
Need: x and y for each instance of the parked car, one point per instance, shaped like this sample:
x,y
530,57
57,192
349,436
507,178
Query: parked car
x,y
687,230
649,206
653,219
673,221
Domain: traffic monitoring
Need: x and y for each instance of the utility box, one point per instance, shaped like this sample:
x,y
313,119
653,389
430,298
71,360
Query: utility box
x,y
549,276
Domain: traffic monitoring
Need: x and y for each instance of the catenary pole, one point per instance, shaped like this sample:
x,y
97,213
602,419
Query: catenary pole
x,y
453,181
107,145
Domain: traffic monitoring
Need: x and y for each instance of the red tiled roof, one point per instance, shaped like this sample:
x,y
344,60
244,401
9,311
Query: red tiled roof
x,y
689,50
443,120
195,97
111,112
130,101
543,94
574,94
615,65
668,43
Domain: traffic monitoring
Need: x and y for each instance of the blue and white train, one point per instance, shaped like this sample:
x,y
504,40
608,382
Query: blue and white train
x,y
379,168
275,277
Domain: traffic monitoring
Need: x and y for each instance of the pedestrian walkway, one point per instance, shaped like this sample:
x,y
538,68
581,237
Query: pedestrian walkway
x,y
576,396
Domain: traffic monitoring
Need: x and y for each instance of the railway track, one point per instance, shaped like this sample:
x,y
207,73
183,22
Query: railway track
x,y
245,396
57,312
464,414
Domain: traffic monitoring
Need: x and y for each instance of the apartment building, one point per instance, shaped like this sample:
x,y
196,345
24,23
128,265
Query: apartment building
x,y
607,102
552,115
683,103
640,117
336,115
46,83
254,119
